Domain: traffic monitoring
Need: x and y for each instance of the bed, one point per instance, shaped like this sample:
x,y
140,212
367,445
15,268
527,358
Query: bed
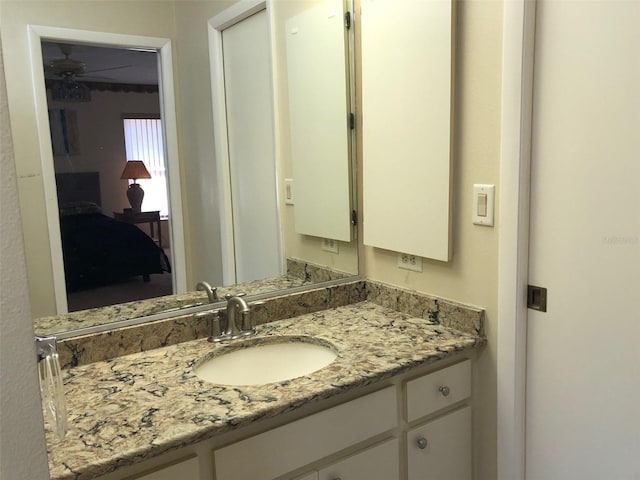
x,y
97,249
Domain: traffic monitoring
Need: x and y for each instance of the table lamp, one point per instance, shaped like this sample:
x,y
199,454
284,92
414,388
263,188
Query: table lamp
x,y
133,170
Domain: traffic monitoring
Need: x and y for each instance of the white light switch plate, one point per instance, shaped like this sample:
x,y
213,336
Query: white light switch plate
x,y
483,204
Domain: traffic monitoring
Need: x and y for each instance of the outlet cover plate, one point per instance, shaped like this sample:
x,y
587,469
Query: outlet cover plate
x,y
329,245
410,262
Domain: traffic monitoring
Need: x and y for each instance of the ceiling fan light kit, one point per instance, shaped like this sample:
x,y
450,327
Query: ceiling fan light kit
x,y
67,89
70,91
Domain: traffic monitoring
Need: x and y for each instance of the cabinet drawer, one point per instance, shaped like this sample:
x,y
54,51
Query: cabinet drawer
x,y
376,463
430,393
283,449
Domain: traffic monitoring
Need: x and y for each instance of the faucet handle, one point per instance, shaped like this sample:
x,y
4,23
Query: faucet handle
x,y
216,324
246,325
229,296
216,327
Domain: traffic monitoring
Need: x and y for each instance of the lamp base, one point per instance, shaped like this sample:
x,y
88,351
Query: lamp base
x,y
135,194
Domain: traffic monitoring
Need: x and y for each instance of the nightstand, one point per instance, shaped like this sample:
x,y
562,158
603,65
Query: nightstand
x,y
152,217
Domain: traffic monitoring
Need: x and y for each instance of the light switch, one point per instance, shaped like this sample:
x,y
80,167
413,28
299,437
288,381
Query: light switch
x,y
483,204
288,191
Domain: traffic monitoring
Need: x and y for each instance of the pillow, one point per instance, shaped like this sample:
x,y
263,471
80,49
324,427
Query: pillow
x,y
79,208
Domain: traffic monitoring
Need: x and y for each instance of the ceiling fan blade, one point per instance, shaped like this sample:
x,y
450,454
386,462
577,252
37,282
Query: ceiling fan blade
x,y
106,69
94,78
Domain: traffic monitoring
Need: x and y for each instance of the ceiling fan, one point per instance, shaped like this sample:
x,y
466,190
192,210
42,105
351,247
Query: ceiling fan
x,y
70,68
67,71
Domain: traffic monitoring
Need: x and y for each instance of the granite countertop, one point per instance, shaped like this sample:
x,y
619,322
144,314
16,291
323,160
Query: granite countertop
x,y
132,408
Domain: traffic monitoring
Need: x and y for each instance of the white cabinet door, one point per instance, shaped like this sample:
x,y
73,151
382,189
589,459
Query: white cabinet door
x,y
185,470
376,463
380,462
407,44
441,449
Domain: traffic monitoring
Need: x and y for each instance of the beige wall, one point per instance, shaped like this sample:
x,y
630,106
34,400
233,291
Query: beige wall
x,y
195,130
303,247
23,453
471,276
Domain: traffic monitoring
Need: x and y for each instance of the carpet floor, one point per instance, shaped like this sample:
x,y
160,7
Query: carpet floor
x,y
130,290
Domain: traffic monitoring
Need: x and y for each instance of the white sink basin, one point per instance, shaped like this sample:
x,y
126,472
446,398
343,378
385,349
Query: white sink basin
x,y
282,358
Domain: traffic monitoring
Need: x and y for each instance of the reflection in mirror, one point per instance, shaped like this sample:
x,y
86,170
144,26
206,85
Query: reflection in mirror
x,y
313,58
104,117
245,146
304,258
319,111
301,140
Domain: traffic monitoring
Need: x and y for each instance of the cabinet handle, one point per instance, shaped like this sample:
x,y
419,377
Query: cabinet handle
x,y
444,390
422,443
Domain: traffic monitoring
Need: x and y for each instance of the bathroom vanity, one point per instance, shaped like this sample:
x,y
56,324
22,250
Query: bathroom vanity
x,y
394,404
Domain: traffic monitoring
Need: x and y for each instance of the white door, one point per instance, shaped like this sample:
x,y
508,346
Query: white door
x,y
583,355
252,165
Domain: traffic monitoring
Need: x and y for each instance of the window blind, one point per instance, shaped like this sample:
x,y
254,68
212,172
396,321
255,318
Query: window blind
x,y
144,141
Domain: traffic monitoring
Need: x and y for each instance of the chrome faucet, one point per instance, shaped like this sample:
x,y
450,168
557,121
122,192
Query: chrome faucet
x,y
237,305
233,322
212,292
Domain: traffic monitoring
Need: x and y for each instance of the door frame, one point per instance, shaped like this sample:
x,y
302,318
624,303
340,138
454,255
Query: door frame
x,y
39,33
518,43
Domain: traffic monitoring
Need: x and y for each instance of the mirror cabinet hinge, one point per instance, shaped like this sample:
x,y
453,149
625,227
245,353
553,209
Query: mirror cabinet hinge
x,y
347,20
354,218
352,121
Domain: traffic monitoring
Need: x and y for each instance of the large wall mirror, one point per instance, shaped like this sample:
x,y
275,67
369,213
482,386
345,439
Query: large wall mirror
x,y
214,227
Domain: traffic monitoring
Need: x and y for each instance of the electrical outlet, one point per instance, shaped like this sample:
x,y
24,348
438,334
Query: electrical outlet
x,y
410,262
329,245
